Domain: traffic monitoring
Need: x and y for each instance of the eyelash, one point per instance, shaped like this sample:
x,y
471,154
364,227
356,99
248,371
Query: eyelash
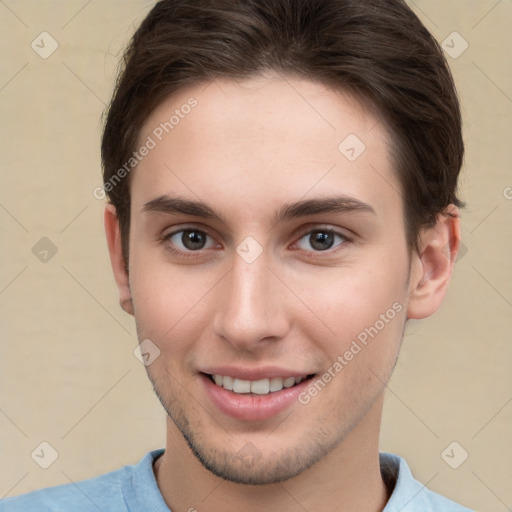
x,y
199,253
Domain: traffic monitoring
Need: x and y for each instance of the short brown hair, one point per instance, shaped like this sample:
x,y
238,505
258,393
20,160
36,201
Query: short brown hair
x,y
377,50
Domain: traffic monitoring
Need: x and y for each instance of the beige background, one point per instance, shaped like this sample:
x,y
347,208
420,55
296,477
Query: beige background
x,y
68,373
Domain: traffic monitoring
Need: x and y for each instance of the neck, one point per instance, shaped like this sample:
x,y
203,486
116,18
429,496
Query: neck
x,y
347,478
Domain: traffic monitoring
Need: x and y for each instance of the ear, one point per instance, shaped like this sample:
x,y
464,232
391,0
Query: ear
x,y
432,268
113,233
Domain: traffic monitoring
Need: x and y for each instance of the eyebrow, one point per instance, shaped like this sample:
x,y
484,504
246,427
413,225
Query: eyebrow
x,y
332,204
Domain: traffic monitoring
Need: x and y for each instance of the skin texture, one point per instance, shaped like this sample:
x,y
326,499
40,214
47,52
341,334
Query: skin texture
x,y
245,150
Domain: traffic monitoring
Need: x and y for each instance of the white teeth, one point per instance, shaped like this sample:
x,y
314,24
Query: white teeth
x,y
258,387
241,386
276,384
227,382
289,382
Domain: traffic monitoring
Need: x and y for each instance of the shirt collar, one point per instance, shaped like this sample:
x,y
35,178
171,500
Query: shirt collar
x,y
406,491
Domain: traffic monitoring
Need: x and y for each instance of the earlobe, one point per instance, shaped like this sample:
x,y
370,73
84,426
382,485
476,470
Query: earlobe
x,y
432,268
113,234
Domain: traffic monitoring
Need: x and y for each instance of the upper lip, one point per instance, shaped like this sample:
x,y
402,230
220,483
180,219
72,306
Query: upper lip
x,y
262,372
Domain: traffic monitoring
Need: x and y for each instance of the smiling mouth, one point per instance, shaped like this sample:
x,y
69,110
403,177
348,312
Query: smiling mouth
x,y
257,387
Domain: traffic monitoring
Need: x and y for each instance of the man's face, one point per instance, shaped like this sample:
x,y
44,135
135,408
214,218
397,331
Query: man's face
x,y
252,294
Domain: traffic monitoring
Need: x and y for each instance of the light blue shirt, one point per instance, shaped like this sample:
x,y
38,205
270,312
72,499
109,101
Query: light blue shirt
x,y
134,489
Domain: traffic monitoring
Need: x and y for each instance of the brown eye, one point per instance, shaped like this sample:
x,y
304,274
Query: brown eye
x,y
193,240
189,240
320,240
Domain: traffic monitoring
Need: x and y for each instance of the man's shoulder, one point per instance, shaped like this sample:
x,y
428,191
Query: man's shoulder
x,y
409,495
106,493
84,496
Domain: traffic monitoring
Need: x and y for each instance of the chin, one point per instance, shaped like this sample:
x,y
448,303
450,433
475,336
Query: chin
x,y
251,466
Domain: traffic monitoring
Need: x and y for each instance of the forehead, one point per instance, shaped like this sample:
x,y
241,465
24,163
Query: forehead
x,y
252,144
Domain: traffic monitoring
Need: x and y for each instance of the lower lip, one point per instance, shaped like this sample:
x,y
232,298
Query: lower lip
x,y
252,407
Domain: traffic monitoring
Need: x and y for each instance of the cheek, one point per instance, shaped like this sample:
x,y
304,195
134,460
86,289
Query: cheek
x,y
359,308
164,297
349,300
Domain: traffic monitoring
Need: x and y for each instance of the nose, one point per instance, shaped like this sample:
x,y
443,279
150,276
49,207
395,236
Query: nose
x,y
251,307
